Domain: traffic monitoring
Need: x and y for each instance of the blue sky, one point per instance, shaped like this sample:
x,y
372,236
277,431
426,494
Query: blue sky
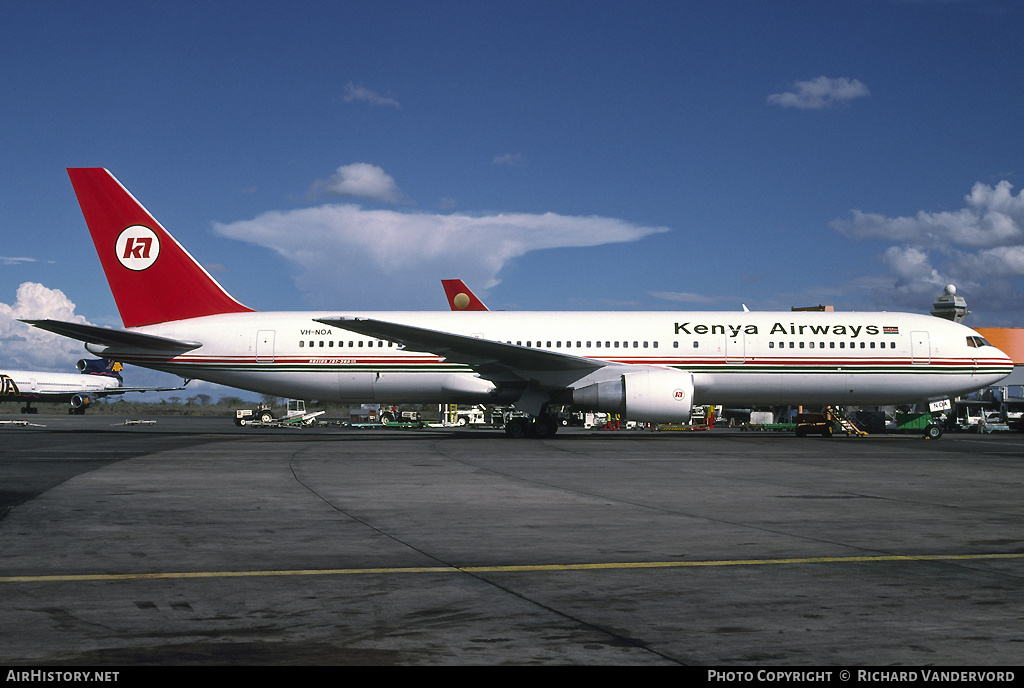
x,y
555,155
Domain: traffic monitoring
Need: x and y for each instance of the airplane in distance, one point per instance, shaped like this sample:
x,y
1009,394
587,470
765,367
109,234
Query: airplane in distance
x,y
98,378
461,297
646,366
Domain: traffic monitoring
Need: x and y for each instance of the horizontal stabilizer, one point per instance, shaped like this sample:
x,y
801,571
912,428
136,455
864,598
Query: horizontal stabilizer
x,y
91,334
122,390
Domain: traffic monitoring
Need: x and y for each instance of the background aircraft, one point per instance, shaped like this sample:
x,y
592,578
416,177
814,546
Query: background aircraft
x,y
461,297
98,378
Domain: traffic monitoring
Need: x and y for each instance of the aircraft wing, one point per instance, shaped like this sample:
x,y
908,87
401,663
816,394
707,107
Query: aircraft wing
x,y
122,390
492,360
91,334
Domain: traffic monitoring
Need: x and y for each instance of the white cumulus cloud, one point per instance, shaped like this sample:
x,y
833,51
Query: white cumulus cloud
x,y
979,248
993,216
346,256
820,93
361,94
23,347
359,180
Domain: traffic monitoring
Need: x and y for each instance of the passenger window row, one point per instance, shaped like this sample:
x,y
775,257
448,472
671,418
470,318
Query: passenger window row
x,y
592,344
832,345
696,345
352,344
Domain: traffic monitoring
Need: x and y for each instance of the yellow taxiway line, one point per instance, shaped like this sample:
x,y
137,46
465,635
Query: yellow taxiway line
x,y
503,569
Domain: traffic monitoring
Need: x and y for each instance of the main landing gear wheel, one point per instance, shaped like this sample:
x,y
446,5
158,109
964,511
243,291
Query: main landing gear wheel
x,y
542,428
517,427
545,427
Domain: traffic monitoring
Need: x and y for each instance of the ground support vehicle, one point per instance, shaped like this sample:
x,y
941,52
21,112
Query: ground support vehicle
x,y
813,424
262,416
991,423
261,413
919,422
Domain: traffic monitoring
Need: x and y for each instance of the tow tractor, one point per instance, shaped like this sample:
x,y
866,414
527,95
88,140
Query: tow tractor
x,y
263,416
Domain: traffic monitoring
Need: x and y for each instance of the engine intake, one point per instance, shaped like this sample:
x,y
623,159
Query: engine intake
x,y
653,395
80,401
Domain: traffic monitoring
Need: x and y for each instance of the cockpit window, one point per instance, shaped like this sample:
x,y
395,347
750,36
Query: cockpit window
x,y
977,342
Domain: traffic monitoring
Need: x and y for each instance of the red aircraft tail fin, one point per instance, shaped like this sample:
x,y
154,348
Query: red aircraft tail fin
x,y
153,278
460,298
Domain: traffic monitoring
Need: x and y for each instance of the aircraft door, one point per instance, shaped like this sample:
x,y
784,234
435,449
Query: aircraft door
x,y
736,348
265,346
920,348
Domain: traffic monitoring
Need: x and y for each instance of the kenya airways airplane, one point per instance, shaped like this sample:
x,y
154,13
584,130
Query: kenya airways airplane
x,y
646,366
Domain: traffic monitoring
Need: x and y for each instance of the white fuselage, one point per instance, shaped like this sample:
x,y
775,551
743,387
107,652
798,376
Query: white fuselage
x,y
32,385
769,358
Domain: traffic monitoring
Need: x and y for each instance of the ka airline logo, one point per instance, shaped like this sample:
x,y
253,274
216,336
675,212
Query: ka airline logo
x,y
137,247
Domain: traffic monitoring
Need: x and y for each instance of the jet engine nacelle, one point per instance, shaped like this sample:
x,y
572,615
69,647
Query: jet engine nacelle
x,y
653,395
99,366
80,401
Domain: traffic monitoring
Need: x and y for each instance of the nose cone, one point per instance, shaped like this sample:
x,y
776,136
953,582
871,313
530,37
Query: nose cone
x,y
1005,361
1007,349
993,366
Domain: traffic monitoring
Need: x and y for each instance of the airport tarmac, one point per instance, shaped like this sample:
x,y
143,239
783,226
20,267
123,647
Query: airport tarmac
x,y
190,541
